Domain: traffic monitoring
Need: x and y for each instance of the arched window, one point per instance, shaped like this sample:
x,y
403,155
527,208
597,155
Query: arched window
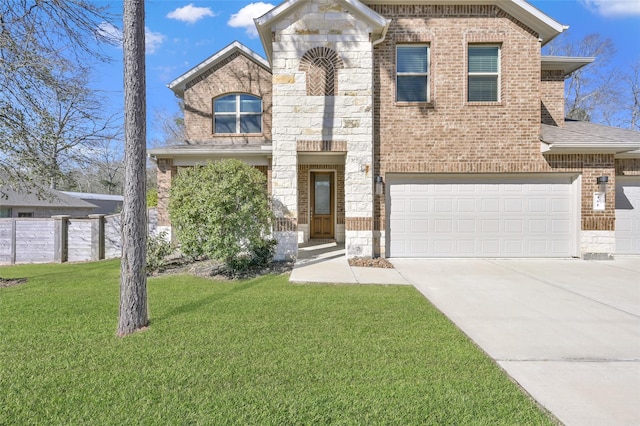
x,y
321,65
237,113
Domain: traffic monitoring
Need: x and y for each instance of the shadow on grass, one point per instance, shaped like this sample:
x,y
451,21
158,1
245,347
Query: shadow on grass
x,y
193,306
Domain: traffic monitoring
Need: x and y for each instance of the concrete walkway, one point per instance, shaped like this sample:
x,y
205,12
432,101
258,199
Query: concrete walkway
x,y
566,330
320,262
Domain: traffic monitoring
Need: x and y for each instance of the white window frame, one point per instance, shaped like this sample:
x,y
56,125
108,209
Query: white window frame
x,y
237,114
496,74
415,74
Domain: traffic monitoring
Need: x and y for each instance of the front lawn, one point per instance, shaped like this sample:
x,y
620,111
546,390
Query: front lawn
x,y
261,351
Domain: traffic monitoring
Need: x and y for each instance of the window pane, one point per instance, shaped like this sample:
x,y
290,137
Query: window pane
x,y
412,89
483,58
250,104
483,88
225,104
322,192
412,59
250,123
225,124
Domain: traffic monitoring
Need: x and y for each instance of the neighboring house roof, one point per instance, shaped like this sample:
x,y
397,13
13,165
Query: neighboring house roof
x,y
567,64
90,196
179,84
45,197
264,23
583,137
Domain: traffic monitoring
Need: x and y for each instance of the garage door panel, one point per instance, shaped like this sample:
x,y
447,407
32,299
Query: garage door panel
x,y
627,215
471,218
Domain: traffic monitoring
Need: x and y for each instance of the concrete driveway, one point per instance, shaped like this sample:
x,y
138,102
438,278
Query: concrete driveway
x,y
568,331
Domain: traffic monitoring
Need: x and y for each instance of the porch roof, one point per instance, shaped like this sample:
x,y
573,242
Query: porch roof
x,y
584,137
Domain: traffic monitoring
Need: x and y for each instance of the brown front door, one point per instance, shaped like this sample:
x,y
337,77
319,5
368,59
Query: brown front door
x,y
322,219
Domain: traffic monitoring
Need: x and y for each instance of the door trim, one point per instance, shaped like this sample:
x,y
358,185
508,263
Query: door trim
x,y
311,199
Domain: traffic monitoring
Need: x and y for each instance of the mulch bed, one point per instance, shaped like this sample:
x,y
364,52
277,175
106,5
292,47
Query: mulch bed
x,y
10,282
215,270
371,262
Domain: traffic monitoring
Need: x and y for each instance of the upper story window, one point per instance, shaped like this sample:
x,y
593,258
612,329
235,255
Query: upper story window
x,y
484,73
412,73
237,113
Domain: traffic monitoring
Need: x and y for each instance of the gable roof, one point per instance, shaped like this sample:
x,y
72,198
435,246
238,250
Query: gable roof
x,y
179,84
355,7
546,27
41,197
584,137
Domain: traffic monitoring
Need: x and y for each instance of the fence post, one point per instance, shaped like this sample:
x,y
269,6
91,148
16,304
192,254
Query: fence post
x,y
61,238
97,236
13,241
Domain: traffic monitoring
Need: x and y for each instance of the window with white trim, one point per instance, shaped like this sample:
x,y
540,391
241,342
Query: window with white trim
x,y
237,113
412,73
483,65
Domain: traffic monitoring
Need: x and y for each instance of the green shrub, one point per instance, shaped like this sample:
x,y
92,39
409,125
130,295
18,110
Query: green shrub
x,y
221,210
152,198
158,248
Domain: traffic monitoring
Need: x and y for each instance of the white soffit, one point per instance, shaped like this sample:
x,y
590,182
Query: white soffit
x,y
567,64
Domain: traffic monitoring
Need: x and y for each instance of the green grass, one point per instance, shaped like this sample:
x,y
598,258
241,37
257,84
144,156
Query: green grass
x,y
262,351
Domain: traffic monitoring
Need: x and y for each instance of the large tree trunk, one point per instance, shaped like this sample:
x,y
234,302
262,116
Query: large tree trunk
x,y
133,279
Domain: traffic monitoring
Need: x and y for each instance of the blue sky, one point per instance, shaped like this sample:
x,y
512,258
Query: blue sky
x,y
181,34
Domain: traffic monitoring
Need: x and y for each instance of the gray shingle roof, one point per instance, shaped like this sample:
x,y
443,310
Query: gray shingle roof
x,y
43,198
582,136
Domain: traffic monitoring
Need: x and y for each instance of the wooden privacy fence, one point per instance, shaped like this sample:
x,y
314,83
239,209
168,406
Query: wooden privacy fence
x,y
63,239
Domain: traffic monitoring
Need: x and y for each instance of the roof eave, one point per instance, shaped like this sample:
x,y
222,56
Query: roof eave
x,y
586,149
156,153
178,85
566,64
265,22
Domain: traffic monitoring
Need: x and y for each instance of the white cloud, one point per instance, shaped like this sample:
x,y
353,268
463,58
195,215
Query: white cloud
x,y
613,7
110,33
190,13
153,41
245,16
113,35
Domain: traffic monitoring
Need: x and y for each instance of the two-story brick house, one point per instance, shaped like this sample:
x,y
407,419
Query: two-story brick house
x,y
413,129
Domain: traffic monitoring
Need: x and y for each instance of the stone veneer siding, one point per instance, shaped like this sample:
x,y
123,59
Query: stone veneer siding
x,y
344,117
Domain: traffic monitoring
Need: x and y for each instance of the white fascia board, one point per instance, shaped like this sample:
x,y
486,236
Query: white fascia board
x,y
567,64
620,149
547,27
358,9
155,153
264,23
178,85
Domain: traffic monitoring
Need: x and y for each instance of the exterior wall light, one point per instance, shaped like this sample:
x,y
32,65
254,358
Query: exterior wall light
x,y
599,198
379,185
602,182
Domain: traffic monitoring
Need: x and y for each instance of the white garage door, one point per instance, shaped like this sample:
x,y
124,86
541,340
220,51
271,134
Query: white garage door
x,y
628,214
481,216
